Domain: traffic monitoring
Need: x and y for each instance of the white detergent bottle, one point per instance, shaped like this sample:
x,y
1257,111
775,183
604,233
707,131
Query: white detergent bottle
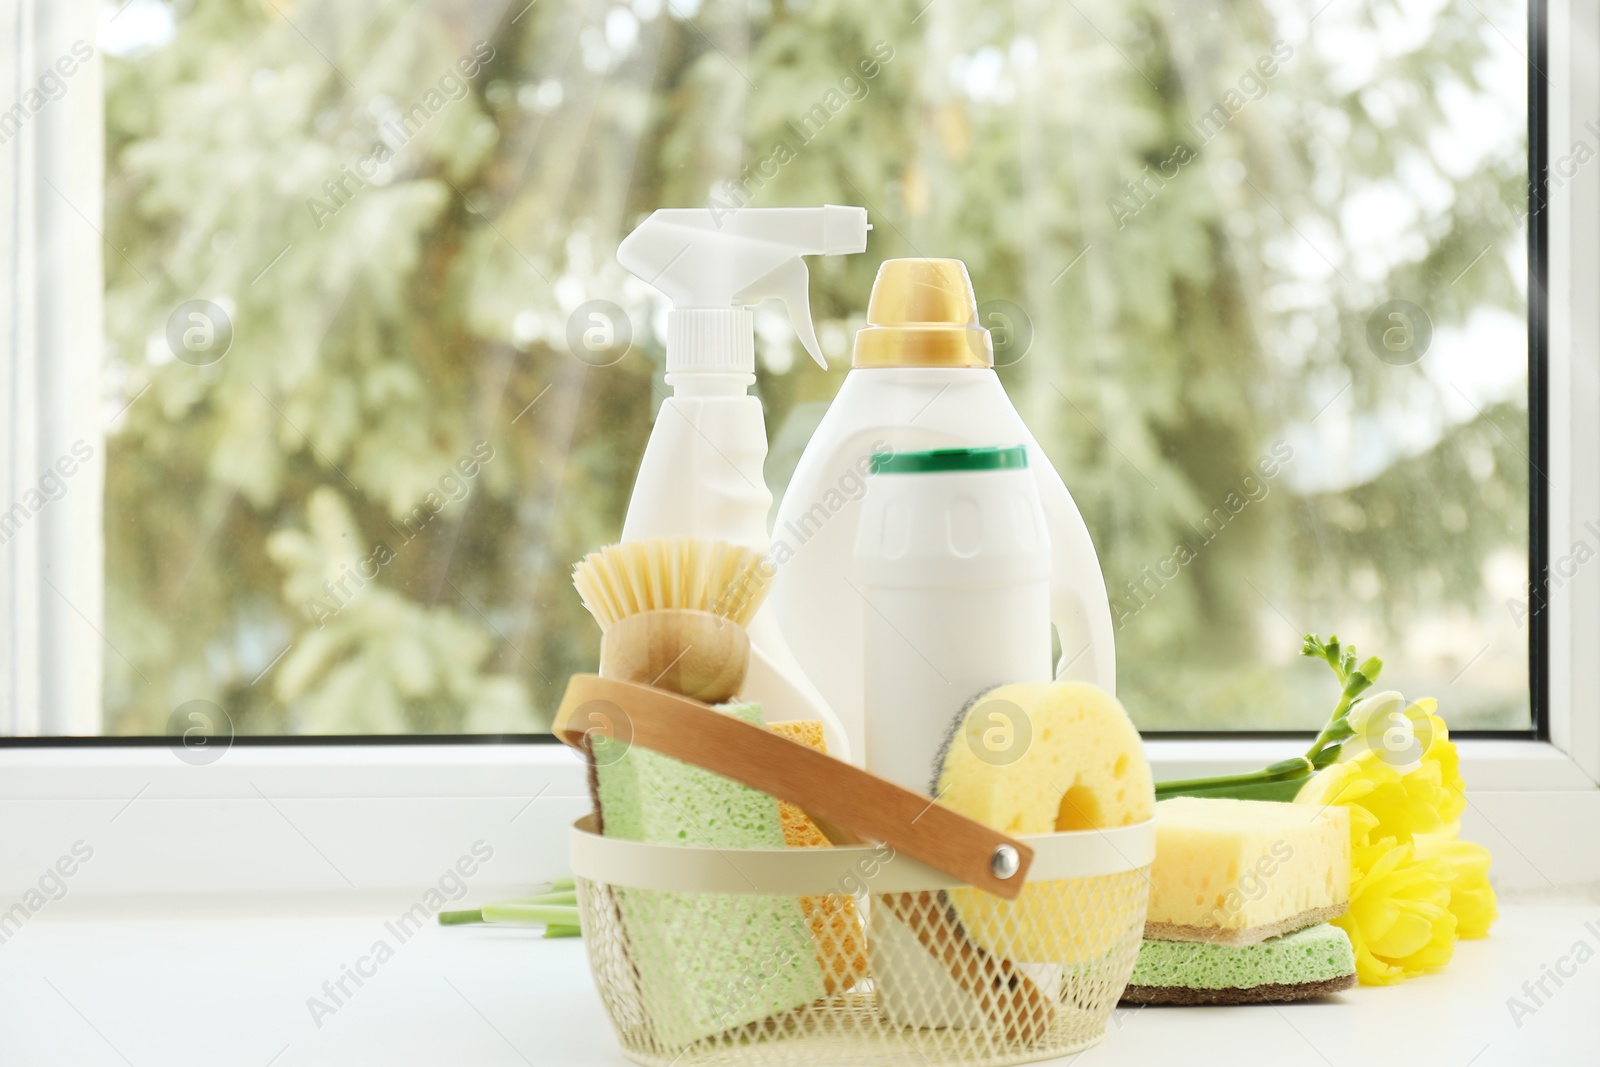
x,y
702,474
953,564
952,560
922,378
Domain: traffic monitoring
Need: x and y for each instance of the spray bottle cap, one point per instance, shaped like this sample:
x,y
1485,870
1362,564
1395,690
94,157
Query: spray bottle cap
x,y
714,264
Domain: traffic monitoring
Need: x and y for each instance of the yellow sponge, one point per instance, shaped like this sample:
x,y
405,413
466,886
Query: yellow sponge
x,y
1032,758
1237,872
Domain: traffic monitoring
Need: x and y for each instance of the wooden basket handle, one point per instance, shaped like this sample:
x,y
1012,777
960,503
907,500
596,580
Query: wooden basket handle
x,y
826,788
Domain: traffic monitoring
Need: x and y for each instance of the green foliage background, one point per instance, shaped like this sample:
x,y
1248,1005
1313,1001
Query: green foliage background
x,y
1173,340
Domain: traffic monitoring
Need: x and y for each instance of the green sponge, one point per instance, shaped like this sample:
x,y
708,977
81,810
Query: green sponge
x,y
706,962
1307,963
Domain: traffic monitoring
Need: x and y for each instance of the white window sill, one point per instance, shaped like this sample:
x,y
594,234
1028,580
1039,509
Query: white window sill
x,y
373,819
460,771
199,991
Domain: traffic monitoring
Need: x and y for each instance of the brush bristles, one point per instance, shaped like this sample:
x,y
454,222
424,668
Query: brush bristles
x,y
681,572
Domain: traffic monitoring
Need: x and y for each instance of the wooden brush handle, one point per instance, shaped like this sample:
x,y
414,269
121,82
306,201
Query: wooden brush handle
x,y
828,789
696,653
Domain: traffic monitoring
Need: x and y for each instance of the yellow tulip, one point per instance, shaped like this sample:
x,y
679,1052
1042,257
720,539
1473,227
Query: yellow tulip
x,y
1420,801
1399,920
1415,886
1472,898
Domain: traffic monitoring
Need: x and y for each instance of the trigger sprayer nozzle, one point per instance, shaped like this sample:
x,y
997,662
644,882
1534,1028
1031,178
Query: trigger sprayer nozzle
x,y
715,264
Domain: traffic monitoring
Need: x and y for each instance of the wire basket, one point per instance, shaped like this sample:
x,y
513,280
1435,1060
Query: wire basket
x,y
753,957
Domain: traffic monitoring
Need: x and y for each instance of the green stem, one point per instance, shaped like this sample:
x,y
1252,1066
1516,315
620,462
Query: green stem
x,y
506,912
460,918
1282,780
1325,749
562,930
1284,771
561,897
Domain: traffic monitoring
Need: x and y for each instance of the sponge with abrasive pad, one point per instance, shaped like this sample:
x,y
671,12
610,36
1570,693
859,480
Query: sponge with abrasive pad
x,y
1306,963
1240,892
762,960
1236,872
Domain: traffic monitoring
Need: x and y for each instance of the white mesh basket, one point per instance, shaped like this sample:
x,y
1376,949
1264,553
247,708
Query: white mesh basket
x,y
857,955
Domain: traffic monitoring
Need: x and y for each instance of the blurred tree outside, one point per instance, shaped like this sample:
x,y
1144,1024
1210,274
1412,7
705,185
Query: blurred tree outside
x,y
1190,226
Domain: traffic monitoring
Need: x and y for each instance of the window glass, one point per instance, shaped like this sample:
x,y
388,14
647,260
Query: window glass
x,y
1257,272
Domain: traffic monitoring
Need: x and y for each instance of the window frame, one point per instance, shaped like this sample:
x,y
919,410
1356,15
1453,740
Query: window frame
x,y
321,815
50,345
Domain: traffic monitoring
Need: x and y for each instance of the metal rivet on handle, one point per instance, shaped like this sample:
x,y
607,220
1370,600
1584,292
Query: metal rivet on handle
x,y
1005,862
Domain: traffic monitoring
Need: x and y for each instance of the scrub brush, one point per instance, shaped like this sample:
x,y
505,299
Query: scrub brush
x,y
672,612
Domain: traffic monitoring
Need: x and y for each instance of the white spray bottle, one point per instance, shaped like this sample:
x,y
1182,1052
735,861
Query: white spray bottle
x,y
702,473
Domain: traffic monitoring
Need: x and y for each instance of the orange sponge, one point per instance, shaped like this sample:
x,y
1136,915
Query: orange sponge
x,y
835,926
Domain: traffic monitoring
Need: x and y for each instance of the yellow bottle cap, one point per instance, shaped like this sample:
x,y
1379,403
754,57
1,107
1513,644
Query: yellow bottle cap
x,y
923,314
